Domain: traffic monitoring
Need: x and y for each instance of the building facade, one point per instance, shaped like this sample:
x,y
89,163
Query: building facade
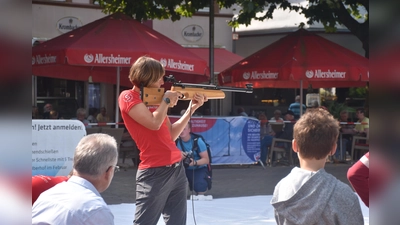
x,y
52,18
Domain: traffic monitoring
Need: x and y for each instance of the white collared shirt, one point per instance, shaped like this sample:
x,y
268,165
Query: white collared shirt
x,y
73,202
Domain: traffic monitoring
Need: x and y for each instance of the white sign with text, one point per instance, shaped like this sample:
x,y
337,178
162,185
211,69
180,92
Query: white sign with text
x,y
53,145
68,23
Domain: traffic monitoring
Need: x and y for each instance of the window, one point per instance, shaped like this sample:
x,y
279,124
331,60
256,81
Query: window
x,y
94,96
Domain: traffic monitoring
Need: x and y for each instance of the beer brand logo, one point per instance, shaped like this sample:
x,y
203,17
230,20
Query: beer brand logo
x,y
325,74
309,73
192,33
172,64
163,62
104,59
246,75
255,75
46,59
88,58
68,23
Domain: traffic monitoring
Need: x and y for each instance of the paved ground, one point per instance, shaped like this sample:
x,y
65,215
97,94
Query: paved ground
x,y
228,181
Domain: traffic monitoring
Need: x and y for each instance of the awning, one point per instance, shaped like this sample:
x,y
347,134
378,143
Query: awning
x,y
223,59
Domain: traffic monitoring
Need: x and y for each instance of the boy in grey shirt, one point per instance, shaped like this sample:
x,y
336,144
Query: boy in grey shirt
x,y
309,195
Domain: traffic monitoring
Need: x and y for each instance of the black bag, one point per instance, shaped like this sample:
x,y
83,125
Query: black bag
x,y
196,148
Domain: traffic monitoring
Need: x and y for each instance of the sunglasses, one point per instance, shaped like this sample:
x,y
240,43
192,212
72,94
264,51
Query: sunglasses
x,y
116,168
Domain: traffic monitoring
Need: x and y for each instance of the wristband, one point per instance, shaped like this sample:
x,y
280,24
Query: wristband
x,y
195,162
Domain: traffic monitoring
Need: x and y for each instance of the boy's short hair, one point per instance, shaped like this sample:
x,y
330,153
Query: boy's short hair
x,y
315,133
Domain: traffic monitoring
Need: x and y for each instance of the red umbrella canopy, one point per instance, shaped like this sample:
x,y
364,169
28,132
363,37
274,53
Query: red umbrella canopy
x,y
299,56
113,41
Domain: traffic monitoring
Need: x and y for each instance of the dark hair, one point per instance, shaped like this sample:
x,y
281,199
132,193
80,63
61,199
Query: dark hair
x,y
92,111
361,110
290,112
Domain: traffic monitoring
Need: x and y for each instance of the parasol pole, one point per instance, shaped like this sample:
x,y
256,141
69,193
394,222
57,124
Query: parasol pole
x,y
116,104
301,98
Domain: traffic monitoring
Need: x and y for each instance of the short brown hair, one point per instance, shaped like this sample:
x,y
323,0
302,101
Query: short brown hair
x,y
315,133
146,71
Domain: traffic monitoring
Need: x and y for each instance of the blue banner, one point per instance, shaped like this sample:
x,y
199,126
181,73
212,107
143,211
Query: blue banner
x,y
233,140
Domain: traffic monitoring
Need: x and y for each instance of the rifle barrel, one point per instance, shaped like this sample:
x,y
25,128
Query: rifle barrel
x,y
248,89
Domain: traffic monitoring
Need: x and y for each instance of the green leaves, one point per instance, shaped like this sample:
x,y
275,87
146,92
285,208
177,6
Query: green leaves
x,y
328,12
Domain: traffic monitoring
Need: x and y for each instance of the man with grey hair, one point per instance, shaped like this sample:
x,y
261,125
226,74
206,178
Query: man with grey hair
x,y
78,200
81,116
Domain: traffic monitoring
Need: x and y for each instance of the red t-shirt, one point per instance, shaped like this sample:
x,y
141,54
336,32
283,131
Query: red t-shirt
x,y
156,147
41,183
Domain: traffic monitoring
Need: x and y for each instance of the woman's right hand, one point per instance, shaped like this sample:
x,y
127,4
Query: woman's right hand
x,y
173,97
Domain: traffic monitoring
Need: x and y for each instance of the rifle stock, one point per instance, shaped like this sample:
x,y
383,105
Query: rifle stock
x,y
153,96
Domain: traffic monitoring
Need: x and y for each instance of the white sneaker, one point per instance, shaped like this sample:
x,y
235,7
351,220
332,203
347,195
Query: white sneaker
x,y
201,197
208,197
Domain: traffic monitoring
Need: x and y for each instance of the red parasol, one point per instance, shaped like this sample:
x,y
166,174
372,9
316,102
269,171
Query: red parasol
x,y
299,58
116,41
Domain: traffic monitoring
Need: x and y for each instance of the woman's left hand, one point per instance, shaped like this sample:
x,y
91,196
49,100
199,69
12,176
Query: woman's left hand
x,y
198,100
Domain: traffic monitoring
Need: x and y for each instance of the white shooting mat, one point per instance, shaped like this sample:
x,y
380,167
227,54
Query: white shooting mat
x,y
254,210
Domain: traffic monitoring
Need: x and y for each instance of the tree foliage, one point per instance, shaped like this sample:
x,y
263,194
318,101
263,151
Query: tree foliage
x,y
328,12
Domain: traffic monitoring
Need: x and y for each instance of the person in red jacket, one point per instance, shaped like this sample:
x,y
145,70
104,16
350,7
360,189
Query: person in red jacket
x,y
358,175
41,183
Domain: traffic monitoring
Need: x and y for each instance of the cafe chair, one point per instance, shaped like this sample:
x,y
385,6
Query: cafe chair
x,y
285,151
277,126
359,144
114,132
92,130
130,152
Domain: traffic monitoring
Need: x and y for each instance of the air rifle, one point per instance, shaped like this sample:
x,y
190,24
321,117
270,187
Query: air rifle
x,y
153,96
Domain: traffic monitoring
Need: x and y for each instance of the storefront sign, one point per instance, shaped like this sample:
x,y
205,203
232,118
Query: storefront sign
x,y
192,33
68,23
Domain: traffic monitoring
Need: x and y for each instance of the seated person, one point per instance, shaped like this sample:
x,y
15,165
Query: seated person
x,y
81,116
362,129
241,112
35,112
92,115
286,133
78,200
347,132
46,110
196,172
277,116
309,195
102,117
